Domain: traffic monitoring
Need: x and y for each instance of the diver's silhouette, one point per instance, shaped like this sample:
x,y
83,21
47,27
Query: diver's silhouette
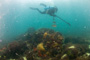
x,y
49,10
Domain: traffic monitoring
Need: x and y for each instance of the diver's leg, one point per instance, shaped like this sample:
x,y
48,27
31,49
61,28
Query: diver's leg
x,y
33,8
41,11
43,4
37,10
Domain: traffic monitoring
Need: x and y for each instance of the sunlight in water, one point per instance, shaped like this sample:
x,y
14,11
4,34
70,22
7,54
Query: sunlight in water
x,y
8,1
0,4
35,1
51,3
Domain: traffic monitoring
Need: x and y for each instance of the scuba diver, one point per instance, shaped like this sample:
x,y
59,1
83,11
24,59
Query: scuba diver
x,y
50,11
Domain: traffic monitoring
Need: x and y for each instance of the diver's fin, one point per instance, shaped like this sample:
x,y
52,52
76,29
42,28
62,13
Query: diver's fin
x,y
63,20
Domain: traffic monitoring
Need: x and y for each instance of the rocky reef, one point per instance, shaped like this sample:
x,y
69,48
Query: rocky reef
x,y
46,44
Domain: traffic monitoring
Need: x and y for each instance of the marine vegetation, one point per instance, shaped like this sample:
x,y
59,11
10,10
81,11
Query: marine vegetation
x,y
46,44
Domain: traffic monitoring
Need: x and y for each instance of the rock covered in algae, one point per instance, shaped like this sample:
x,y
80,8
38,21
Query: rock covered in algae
x,y
75,50
46,44
83,57
51,43
14,50
77,40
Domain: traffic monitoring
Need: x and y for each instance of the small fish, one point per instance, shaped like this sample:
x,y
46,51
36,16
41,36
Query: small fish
x,y
53,25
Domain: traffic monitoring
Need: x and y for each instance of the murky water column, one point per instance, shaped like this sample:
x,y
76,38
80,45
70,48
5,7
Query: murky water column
x,y
2,25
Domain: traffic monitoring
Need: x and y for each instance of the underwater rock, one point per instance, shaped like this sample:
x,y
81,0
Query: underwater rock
x,y
87,54
46,44
21,58
89,46
76,40
83,57
43,34
14,50
75,50
30,56
52,43
31,30
3,58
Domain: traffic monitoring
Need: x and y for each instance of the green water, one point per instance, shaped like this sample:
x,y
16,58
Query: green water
x,y
16,17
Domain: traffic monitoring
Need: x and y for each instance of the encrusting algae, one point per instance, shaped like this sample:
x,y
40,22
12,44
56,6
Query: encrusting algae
x,y
40,47
55,44
45,35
